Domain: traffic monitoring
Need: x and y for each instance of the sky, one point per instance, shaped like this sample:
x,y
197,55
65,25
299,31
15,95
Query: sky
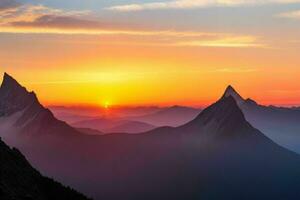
x,y
152,52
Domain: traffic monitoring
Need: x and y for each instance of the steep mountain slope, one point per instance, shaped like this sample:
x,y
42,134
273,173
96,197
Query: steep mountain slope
x,y
218,155
21,112
280,124
173,116
18,180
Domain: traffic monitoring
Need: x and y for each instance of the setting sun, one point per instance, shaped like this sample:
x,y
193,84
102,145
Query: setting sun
x,y
106,104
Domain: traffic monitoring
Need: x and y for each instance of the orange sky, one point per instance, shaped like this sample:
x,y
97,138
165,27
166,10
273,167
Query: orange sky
x,y
136,63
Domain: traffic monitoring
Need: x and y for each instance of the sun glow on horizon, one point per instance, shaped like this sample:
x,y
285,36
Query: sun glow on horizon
x,y
71,56
106,104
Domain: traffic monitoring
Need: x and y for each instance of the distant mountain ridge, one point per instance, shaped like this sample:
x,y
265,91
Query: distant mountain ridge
x,y
114,125
217,155
173,116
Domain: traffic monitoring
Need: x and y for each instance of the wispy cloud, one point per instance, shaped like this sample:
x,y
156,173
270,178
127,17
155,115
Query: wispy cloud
x,y
234,70
8,4
37,15
291,15
190,4
226,41
17,18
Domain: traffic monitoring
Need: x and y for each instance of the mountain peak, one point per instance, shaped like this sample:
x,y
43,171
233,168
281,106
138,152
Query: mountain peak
x,y
230,91
222,118
14,97
225,108
10,82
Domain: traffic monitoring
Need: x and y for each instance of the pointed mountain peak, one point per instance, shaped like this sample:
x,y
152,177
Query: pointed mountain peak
x,y
223,117
225,108
14,97
10,82
230,91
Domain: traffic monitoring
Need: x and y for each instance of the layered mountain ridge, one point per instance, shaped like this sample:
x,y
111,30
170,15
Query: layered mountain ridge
x,y
217,151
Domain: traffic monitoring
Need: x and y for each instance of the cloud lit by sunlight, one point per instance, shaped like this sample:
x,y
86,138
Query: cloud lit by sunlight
x,y
190,4
233,42
39,19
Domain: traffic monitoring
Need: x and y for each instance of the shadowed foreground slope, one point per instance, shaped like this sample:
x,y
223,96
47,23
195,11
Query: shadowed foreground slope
x,y
18,180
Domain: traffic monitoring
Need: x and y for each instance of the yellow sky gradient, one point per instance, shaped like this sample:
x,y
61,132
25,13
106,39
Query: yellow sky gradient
x,y
74,57
84,70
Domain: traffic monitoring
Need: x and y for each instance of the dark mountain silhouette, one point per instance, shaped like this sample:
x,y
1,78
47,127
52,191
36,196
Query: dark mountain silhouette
x,y
30,117
280,124
218,155
173,116
18,180
230,91
114,125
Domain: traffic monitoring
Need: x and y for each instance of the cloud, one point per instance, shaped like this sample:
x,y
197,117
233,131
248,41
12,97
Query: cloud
x,y
190,4
226,41
57,21
8,4
28,18
290,15
7,8
27,14
234,70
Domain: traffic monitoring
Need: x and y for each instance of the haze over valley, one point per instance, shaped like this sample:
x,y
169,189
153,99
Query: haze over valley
x,y
149,100
153,163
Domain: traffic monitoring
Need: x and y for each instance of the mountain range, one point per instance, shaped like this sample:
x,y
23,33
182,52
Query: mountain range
x,y
173,116
217,155
114,125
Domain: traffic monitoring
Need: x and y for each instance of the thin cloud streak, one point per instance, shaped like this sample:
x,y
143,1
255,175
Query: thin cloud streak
x,y
175,38
290,15
226,42
234,70
191,4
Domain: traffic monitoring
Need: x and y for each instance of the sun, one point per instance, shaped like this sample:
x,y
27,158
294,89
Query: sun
x,y
106,104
